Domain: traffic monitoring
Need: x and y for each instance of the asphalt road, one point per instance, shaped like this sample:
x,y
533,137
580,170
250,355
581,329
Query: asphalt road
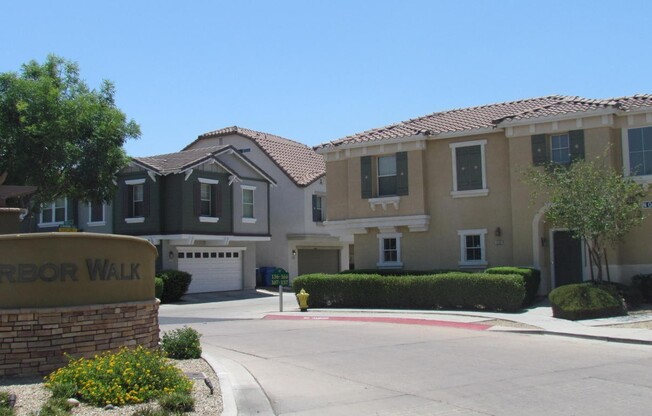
x,y
325,367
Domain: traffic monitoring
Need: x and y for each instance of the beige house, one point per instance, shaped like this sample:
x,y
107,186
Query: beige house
x,y
445,191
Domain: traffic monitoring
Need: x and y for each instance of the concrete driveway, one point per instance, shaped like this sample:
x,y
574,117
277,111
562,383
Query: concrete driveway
x,y
340,367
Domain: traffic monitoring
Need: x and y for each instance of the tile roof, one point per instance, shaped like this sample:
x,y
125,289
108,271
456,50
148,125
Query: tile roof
x,y
176,162
489,116
298,161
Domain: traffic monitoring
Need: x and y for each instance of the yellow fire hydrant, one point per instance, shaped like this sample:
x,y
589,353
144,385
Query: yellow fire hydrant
x,y
302,298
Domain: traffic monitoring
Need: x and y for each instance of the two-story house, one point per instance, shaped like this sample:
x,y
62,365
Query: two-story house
x,y
446,190
203,208
299,244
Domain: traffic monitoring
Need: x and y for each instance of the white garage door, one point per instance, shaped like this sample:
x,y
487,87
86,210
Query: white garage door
x,y
212,269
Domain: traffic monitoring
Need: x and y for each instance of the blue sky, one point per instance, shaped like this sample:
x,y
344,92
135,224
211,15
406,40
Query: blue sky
x,y
315,71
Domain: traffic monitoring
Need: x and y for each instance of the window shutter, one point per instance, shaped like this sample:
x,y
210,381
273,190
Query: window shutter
x,y
539,150
402,186
217,189
196,198
365,176
146,199
576,144
214,201
127,200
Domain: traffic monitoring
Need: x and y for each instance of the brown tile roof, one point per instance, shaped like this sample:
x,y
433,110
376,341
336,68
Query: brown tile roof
x,y
176,162
298,161
489,116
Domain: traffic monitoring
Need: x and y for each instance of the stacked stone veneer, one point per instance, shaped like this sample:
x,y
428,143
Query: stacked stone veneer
x,y
33,341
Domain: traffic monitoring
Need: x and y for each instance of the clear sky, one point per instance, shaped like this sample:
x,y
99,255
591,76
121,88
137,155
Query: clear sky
x,y
315,71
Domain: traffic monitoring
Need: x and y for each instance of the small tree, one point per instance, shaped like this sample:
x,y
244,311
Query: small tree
x,y
592,200
59,135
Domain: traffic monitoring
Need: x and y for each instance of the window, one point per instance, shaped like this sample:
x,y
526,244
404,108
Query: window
x,y
54,213
207,200
560,149
96,214
205,197
389,250
472,247
137,201
384,175
638,152
248,204
135,204
469,177
318,210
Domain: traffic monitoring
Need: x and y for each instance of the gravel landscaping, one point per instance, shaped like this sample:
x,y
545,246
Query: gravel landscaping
x,y
32,395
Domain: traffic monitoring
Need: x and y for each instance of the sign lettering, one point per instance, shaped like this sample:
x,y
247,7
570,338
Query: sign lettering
x,y
97,270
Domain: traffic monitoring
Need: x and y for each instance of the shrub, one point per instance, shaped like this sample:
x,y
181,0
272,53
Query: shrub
x,y
181,344
631,295
177,402
5,409
584,301
644,283
158,287
393,272
441,291
175,284
125,377
150,411
55,406
531,278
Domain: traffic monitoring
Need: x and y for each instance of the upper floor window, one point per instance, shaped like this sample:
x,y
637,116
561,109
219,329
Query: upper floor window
x,y
389,250
472,247
384,175
135,203
207,200
54,213
96,212
638,152
560,149
248,204
318,208
469,170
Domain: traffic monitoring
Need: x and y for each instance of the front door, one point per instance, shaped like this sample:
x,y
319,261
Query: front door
x,y
567,258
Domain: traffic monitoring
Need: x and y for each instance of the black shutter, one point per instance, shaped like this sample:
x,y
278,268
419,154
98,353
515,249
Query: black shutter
x,y
146,198
539,150
218,200
196,198
365,176
402,187
214,202
127,200
576,144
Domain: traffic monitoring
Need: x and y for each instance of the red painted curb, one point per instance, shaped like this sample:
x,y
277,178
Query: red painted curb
x,y
406,321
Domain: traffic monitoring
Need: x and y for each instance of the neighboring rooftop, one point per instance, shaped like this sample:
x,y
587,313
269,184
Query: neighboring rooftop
x,y
299,162
489,116
179,161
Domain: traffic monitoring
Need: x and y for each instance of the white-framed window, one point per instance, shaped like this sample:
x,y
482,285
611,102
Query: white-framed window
x,y
472,247
389,250
386,175
560,149
54,213
469,169
135,201
248,203
206,200
637,153
96,214
318,208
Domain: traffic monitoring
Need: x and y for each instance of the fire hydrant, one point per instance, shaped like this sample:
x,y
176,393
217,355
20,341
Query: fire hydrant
x,y
302,298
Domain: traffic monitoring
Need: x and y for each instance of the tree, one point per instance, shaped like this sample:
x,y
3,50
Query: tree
x,y
59,135
592,200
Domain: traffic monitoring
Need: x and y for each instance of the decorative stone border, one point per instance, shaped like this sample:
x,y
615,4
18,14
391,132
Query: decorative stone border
x,y
33,341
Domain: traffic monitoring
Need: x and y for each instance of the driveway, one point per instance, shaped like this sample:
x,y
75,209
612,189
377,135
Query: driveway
x,y
342,367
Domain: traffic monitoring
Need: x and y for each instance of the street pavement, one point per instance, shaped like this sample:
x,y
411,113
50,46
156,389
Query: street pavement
x,y
341,362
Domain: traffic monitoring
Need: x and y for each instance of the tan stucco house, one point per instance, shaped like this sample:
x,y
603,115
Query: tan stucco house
x,y
445,191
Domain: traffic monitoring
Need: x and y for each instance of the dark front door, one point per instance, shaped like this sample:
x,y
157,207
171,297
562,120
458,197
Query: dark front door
x,y
567,258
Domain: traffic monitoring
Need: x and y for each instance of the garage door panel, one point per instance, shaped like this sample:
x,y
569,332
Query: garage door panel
x,y
212,270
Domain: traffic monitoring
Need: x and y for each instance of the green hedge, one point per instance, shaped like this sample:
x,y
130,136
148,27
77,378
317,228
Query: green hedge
x,y
531,277
175,284
158,287
585,301
395,272
456,290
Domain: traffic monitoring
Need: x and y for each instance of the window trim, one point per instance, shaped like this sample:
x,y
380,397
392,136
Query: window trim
x,y
91,223
52,206
381,251
252,219
131,183
482,232
484,191
641,179
322,207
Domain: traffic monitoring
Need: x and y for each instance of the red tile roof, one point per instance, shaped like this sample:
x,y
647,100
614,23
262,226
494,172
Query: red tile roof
x,y
298,161
489,117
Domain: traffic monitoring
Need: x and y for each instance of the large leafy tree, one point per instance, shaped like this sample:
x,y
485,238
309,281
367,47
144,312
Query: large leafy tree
x,y
58,134
592,200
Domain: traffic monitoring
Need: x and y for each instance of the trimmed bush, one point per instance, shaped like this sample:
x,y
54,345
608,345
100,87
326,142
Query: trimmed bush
x,y
394,272
631,295
585,301
643,282
175,284
158,287
457,290
531,278
181,344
